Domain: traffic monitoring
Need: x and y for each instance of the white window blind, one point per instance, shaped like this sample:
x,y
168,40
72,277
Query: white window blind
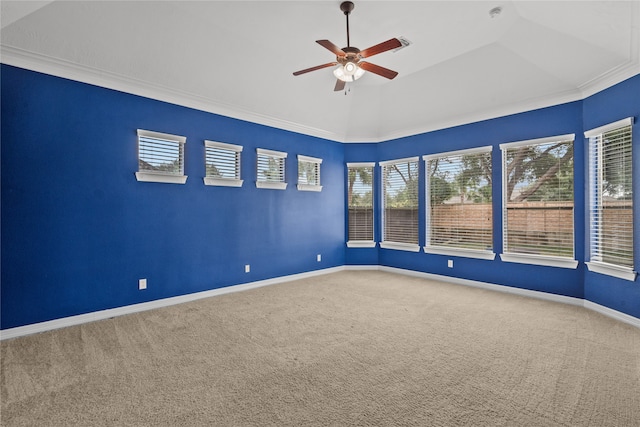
x,y
160,157
400,203
222,164
611,195
537,183
309,173
360,203
270,169
459,213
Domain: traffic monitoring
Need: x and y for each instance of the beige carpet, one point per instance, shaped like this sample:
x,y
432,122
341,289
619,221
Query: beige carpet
x,y
344,349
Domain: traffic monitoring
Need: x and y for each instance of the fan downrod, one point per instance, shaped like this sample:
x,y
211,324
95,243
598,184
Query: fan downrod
x,y
347,7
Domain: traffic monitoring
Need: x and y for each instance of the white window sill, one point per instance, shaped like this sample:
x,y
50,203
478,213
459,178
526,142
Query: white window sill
x,y
549,261
222,182
361,244
307,187
410,247
625,273
468,253
159,177
271,185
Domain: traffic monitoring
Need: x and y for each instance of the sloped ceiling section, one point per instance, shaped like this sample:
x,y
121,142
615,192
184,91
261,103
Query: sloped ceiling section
x,y
237,58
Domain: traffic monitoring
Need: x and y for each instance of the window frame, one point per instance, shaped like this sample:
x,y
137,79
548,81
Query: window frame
x,y
224,182
446,250
280,156
389,244
363,243
316,162
146,175
535,259
594,136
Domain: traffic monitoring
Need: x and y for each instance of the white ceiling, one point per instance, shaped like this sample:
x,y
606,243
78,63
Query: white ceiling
x,y
236,58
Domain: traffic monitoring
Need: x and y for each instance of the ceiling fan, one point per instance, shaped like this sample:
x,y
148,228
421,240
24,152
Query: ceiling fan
x,y
349,58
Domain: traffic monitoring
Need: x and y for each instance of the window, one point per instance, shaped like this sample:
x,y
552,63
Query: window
x,y
611,200
222,164
160,157
459,212
537,182
400,204
309,173
270,169
360,203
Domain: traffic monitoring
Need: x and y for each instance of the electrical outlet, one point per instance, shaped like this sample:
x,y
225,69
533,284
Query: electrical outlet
x,y
142,284
450,263
247,268
319,257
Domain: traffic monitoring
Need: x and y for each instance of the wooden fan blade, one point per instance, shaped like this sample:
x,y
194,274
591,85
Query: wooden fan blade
x,y
332,47
379,48
318,67
376,69
339,85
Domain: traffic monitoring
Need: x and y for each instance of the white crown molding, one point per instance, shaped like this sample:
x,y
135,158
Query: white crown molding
x,y
69,70
479,116
65,69
610,78
623,71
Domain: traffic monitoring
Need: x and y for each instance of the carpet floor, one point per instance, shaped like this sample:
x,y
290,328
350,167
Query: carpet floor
x,y
353,348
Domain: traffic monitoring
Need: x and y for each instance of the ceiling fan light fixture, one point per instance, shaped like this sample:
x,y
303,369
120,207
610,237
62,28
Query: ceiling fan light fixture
x,y
348,72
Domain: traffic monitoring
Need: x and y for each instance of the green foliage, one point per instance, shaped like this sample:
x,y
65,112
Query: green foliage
x,y
462,179
617,172
441,190
272,172
541,172
364,177
407,196
307,173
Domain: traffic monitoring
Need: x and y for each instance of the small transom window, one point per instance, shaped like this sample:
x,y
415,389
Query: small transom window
x,y
160,157
222,164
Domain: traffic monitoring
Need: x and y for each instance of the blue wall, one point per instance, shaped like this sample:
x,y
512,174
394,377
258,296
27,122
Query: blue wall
x,y
78,230
615,103
557,120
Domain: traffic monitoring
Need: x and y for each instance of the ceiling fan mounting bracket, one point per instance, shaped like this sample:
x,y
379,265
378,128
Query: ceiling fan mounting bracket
x,y
346,7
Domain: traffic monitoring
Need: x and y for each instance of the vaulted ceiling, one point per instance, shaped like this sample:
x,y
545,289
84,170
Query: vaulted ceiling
x,y
236,58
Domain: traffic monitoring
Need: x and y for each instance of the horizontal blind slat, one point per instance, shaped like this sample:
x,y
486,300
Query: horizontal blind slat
x,y
611,210
360,200
459,211
400,199
538,192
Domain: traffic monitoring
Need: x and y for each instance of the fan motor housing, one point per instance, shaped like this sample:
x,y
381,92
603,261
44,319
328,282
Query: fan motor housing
x,y
352,54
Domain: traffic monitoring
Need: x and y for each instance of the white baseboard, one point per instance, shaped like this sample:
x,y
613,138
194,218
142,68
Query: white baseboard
x,y
622,317
165,302
609,312
476,284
